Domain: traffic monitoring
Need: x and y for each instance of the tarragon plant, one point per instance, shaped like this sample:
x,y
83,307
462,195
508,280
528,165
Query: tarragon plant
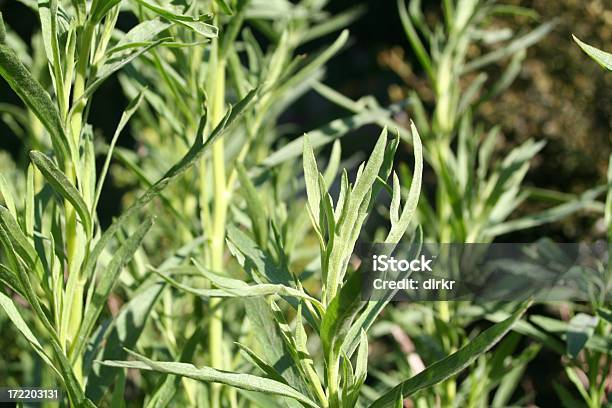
x,y
229,279
286,320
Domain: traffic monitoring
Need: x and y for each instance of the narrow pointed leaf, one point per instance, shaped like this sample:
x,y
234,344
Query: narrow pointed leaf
x,y
63,186
125,117
20,242
123,332
207,374
254,206
311,177
107,280
601,57
243,290
451,365
340,313
35,98
167,389
581,328
11,310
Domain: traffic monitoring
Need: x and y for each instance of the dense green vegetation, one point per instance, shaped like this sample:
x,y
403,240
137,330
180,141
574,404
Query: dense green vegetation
x,y
229,277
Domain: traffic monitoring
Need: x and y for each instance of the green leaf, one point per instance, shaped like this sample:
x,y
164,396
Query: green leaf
x,y
28,216
585,201
22,245
207,374
326,210
99,8
365,181
35,98
167,389
601,57
581,328
560,328
305,359
22,277
64,187
340,314
373,308
2,30
173,14
261,364
254,206
9,277
72,386
514,46
140,35
239,289
11,311
333,164
571,373
515,10
7,195
451,365
511,376
311,176
399,228
118,396
263,263
361,370
605,314
20,242
349,225
293,79
414,39
86,176
321,136
334,23
506,78
270,340
115,63
125,117
105,284
224,5
124,331
47,11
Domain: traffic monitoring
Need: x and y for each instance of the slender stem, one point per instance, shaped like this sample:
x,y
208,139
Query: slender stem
x,y
449,11
219,216
75,308
76,119
333,367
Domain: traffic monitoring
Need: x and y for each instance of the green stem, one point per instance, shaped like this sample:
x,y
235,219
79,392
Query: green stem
x,y
333,367
76,119
75,308
217,242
